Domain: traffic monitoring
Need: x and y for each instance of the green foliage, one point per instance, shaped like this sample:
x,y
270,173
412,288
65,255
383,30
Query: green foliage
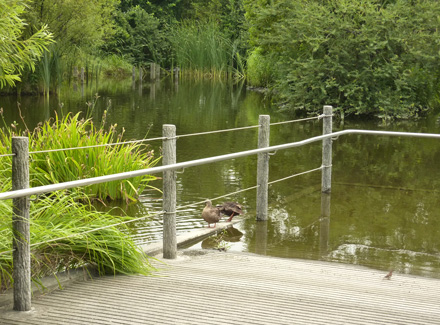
x,y
108,251
259,73
79,28
140,36
16,52
80,24
360,56
116,65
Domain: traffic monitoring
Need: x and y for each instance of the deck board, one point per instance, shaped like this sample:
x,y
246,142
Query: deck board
x,y
208,287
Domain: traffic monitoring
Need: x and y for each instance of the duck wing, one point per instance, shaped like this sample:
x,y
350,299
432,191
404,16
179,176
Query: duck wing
x,y
230,208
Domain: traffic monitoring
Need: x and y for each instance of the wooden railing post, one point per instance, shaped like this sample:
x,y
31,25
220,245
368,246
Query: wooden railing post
x,y
157,71
133,74
20,225
263,168
326,184
152,71
169,193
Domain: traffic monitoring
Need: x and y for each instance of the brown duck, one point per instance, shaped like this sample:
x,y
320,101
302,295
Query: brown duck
x,y
230,209
211,214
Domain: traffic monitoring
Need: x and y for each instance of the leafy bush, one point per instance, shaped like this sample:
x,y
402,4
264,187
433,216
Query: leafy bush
x,y
140,36
259,72
361,56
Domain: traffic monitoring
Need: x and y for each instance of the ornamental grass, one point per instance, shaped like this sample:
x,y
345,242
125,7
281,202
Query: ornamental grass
x,y
66,230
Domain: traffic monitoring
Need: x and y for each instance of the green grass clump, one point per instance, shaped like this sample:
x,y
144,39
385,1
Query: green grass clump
x,y
63,166
116,66
107,251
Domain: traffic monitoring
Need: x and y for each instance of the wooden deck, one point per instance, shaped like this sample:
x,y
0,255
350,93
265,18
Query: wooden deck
x,y
209,287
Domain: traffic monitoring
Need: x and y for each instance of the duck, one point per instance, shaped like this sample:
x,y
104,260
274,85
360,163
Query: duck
x,y
211,214
230,209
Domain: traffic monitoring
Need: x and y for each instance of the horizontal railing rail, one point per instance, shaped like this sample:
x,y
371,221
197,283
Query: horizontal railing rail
x,y
198,162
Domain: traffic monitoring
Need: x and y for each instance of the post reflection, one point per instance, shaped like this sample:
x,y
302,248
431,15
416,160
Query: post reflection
x,y
261,237
324,232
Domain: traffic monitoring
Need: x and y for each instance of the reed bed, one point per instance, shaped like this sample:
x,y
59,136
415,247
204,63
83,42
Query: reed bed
x,y
203,51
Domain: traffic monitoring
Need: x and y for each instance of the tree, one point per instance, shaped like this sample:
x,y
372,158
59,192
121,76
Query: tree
x,y
17,53
75,24
140,36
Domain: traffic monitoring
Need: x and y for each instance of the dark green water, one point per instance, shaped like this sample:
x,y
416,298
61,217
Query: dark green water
x,y
384,203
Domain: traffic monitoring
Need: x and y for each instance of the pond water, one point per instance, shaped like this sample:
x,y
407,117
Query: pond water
x,y
384,202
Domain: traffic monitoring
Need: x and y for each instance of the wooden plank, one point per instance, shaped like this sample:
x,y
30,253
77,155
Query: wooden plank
x,y
209,287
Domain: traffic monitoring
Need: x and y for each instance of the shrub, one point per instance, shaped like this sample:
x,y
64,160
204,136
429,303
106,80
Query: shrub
x,y
361,56
259,73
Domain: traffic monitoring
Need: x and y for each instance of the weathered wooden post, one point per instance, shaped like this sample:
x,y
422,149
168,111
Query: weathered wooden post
x,y
75,77
20,225
133,74
263,168
157,71
326,183
152,71
169,193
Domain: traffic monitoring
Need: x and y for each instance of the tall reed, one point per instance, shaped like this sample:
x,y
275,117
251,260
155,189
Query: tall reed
x,y
45,71
51,70
202,50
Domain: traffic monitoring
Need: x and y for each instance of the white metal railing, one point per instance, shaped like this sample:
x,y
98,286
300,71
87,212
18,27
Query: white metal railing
x,y
198,162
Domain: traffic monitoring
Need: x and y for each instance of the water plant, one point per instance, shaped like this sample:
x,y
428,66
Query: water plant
x,y
87,239
62,166
202,50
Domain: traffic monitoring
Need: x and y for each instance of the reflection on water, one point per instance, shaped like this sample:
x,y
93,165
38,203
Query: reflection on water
x,y
221,240
384,207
